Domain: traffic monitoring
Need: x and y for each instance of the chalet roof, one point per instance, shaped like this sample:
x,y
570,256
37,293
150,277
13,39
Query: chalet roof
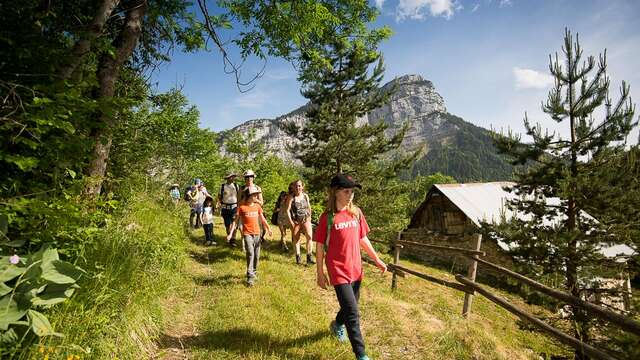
x,y
486,202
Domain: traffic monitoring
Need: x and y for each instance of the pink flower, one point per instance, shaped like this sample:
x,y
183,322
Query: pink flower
x,y
14,259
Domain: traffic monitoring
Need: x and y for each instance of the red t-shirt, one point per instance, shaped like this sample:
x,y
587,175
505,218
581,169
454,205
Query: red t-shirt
x,y
343,260
250,216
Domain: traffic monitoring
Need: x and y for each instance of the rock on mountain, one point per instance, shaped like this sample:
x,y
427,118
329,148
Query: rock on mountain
x,y
453,146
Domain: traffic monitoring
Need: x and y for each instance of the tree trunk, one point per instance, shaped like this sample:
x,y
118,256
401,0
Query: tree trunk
x,y
108,73
83,45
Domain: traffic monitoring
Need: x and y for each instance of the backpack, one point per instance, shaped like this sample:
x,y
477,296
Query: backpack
x,y
186,193
222,192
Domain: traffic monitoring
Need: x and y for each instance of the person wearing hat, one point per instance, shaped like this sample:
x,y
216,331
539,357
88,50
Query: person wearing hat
x,y
228,198
190,196
249,178
174,192
251,215
341,233
206,218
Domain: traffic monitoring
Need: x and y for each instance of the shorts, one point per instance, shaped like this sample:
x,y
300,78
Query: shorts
x,y
228,215
300,220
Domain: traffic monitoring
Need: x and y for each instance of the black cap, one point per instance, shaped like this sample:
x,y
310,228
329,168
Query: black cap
x,y
344,181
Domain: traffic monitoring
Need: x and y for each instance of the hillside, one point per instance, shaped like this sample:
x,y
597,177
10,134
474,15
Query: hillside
x,y
212,315
453,145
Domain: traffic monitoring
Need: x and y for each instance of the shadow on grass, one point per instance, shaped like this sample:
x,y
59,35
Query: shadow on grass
x,y
216,253
223,280
243,341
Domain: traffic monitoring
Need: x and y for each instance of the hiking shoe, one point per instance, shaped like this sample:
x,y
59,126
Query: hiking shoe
x,y
232,243
251,282
310,260
340,332
297,259
284,246
363,357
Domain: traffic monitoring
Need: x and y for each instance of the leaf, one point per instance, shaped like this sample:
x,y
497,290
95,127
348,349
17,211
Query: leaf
x,y
8,337
11,272
9,312
61,272
4,289
40,324
54,294
15,243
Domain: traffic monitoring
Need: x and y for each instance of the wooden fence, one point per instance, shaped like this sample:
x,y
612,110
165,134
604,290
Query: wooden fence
x,y
470,287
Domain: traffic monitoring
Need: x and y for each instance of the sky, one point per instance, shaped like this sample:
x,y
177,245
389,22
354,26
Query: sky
x,y
487,58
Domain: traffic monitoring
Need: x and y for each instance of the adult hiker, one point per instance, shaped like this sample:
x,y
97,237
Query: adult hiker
x,y
201,194
228,198
251,215
282,220
299,213
341,232
190,195
206,218
174,192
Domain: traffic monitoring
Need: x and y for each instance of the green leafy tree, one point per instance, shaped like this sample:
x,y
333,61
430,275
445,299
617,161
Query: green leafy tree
x,y
558,236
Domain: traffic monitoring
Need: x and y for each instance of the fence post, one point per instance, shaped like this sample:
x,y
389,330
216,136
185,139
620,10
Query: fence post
x,y
473,268
396,260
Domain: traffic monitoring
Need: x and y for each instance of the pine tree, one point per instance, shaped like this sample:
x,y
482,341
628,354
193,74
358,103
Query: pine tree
x,y
564,168
342,90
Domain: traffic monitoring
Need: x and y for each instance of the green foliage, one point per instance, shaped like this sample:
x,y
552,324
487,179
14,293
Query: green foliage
x,y
38,281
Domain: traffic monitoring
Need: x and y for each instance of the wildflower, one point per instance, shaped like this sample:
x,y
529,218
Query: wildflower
x,y
41,349
46,357
14,259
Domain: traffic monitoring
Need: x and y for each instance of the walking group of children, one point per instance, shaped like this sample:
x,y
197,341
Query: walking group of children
x,y
341,233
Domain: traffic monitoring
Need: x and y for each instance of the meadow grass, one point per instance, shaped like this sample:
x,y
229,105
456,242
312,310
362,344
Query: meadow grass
x,y
153,290
214,315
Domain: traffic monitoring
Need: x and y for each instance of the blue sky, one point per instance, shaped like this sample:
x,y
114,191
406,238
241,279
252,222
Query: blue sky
x,y
487,58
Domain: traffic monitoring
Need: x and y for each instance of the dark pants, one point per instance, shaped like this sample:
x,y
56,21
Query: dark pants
x,y
228,215
348,296
208,232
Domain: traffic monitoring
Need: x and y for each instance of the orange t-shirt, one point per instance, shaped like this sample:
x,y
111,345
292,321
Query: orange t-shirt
x,y
250,216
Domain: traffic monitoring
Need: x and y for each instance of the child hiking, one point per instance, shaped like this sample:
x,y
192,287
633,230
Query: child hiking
x,y
299,212
341,232
250,214
206,218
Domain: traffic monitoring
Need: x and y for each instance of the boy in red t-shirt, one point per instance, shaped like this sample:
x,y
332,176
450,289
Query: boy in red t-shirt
x,y
348,233
250,214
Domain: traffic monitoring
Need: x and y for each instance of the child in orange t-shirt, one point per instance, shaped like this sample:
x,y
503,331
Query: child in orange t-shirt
x,y
250,214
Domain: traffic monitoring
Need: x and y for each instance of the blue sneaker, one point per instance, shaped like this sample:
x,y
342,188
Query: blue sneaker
x,y
363,357
340,332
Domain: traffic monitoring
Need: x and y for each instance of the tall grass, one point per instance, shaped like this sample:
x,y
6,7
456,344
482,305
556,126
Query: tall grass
x,y
131,263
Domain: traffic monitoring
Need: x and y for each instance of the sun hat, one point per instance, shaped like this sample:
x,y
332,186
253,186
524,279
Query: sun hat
x,y
228,175
249,173
344,181
254,190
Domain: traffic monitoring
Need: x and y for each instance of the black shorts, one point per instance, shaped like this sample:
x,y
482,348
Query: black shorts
x,y
228,215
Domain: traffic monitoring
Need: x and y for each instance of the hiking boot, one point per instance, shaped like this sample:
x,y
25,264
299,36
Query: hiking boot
x,y
284,246
232,243
251,281
298,259
363,357
340,332
310,260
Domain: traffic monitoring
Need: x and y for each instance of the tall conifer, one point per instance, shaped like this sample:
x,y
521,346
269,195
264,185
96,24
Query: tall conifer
x,y
563,167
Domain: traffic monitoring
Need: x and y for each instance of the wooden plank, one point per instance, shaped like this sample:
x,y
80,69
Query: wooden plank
x,y
436,280
442,247
622,321
389,267
473,268
564,338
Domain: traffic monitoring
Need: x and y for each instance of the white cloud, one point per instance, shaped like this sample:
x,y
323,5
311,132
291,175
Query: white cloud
x,y
417,9
379,3
504,3
475,7
531,79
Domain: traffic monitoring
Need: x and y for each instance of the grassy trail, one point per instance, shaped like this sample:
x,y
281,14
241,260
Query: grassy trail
x,y
213,315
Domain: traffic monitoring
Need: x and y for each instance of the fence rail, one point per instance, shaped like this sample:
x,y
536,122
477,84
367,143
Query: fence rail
x,y
469,287
564,338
